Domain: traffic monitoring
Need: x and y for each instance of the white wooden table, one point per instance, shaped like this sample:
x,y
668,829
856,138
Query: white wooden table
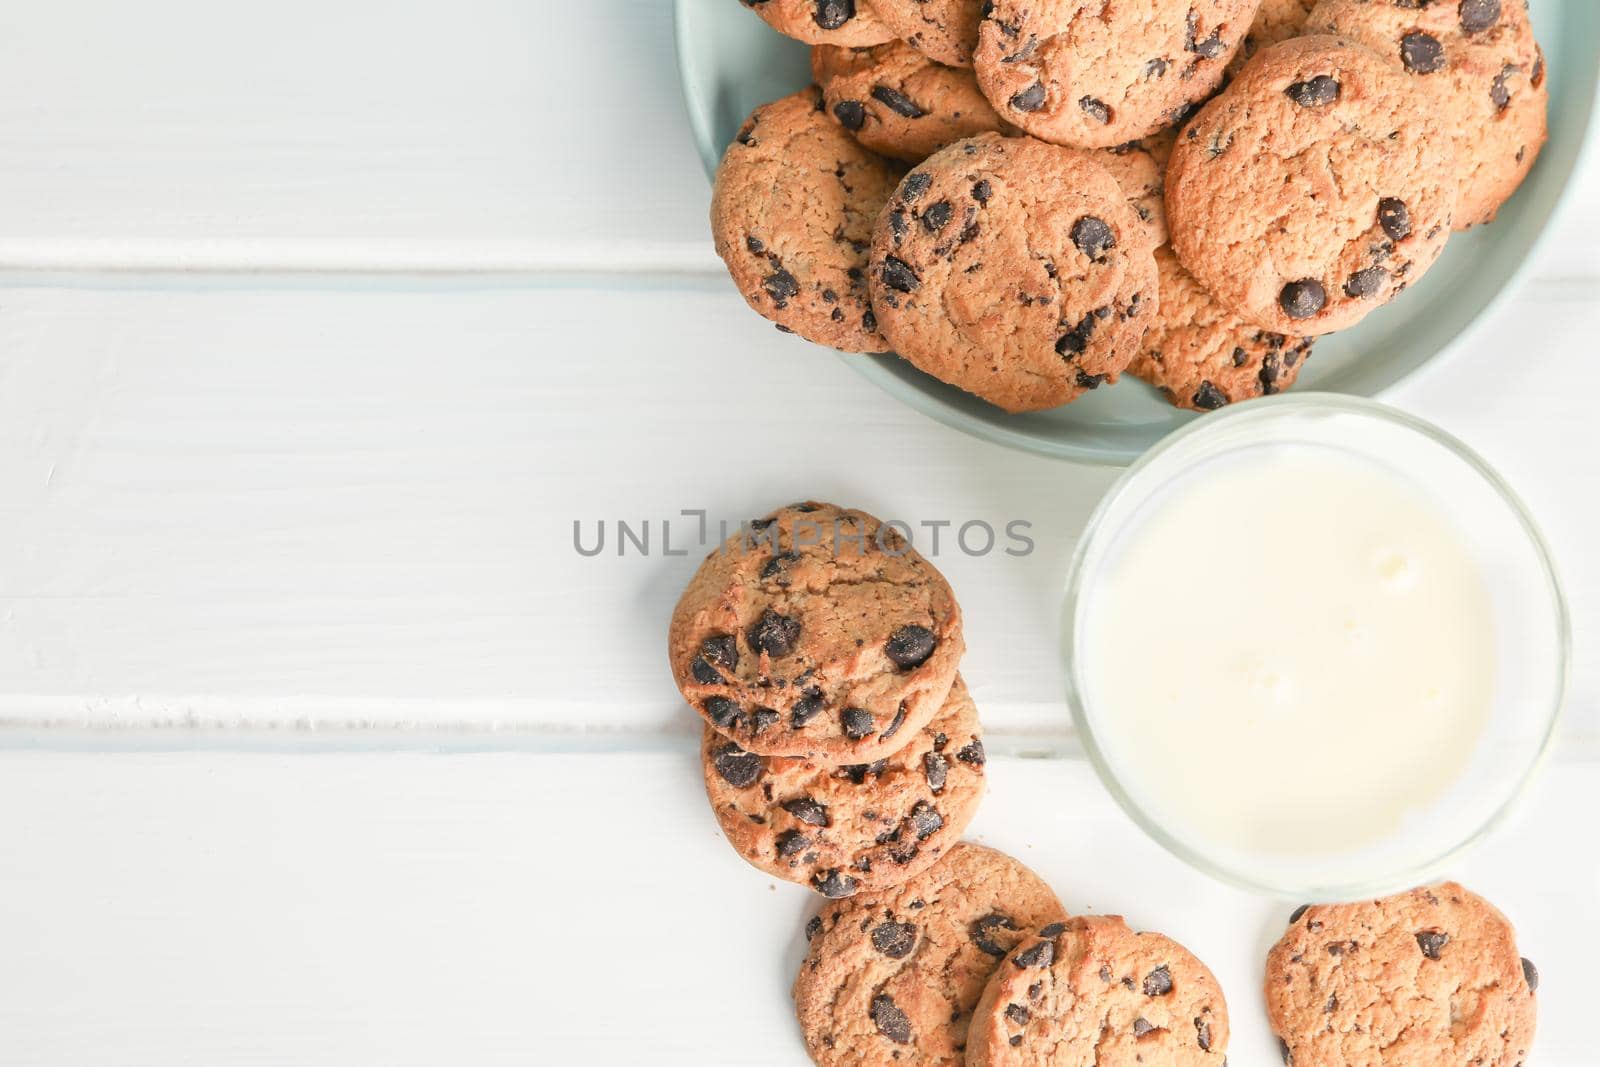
x,y
322,326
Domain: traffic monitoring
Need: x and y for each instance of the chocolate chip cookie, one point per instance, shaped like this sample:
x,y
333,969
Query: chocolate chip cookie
x,y
1140,168
842,830
1278,20
1312,190
792,215
1015,270
1093,74
843,22
1090,990
897,101
1431,976
1478,67
891,976
942,30
817,632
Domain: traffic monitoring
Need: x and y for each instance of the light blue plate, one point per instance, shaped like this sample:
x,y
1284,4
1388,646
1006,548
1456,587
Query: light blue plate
x,y
730,62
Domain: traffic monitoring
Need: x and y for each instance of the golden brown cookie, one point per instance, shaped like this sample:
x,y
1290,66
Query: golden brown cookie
x,y
1095,74
1278,20
1092,991
842,830
1312,190
1140,168
1015,270
891,977
897,101
1477,66
1422,978
816,632
792,215
942,30
851,23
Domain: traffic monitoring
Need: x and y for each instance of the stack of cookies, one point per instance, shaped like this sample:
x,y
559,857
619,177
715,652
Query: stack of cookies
x,y
1027,199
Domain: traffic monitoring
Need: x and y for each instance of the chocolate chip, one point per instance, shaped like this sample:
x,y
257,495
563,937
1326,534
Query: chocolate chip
x,y
1029,99
980,933
1155,68
895,940
1332,1004
1039,954
1395,218
982,190
813,927
916,183
778,567
1531,973
791,841
1479,15
1018,1014
805,709
735,766
1208,397
1283,1050
910,646
1095,109
721,711
807,811
1499,91
1317,92
935,767
1268,376
1421,53
895,723
972,753
1093,237
1364,283
936,216
898,275
1206,48
834,885
1053,930
773,634
1431,941
890,1020
1142,1026
781,286
1074,341
925,819
896,101
1296,915
722,650
1202,1034
1089,381
762,718
703,672
1303,299
1158,983
856,722
832,14
852,114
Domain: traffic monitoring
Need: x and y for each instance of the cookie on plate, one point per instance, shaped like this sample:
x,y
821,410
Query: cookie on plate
x,y
1092,74
792,215
852,23
891,977
1430,976
817,632
897,101
1278,20
1090,990
942,30
841,830
1478,67
1312,190
1015,270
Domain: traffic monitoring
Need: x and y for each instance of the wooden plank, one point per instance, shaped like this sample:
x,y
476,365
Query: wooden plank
x,y
487,909
280,507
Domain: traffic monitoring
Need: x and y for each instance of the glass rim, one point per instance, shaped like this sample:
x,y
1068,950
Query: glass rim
x,y
1267,408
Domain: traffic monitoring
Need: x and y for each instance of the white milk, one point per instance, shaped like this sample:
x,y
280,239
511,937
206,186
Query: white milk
x,y
1289,651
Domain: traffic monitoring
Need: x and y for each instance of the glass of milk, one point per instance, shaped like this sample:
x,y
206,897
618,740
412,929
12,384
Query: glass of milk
x,y
1315,647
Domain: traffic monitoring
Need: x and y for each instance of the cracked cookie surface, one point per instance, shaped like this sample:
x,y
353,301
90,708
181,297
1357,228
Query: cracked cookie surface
x,y
1421,978
852,23
897,101
943,30
1477,64
1092,991
842,830
891,977
1312,190
1013,269
1093,74
791,216
816,632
